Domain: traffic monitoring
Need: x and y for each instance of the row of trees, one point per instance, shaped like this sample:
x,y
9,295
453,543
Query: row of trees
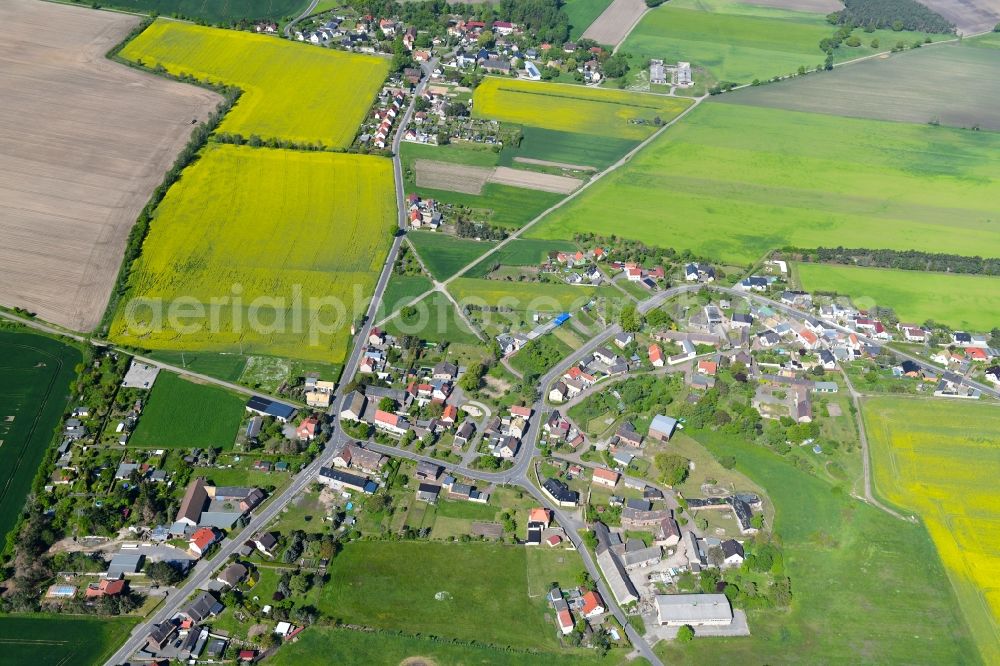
x,y
909,260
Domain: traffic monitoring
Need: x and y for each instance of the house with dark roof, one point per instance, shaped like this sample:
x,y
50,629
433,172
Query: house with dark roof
x,y
203,607
267,407
428,492
560,493
732,552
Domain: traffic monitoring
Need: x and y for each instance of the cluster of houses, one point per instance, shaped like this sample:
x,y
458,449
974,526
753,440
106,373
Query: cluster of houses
x,y
422,213
432,482
602,363
388,107
503,434
207,509
674,75
577,602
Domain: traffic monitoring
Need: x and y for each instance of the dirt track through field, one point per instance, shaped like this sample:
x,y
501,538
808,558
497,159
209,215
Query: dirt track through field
x,y
83,143
471,179
614,24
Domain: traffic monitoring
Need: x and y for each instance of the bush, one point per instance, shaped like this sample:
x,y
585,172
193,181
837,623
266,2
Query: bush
x,y
685,634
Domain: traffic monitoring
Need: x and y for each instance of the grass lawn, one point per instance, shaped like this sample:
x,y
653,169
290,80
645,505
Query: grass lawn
x,y
35,374
868,588
520,252
61,639
922,85
242,476
740,42
939,459
400,291
960,301
731,182
446,255
582,13
325,645
436,320
467,510
183,414
221,365
541,354
524,296
459,586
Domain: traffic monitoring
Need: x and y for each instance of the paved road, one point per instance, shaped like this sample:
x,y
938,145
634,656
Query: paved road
x,y
307,12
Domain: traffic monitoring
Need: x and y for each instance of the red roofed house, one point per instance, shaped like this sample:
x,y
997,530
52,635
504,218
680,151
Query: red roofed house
x,y
376,336
593,604
708,368
107,588
540,515
201,540
606,477
633,274
554,540
977,354
517,410
808,338
306,432
565,621
247,655
391,422
656,356
449,414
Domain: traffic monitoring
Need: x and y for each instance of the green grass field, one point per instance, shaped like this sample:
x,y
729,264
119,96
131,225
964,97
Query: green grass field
x,y
582,13
182,414
500,205
740,42
436,320
915,86
939,459
523,296
960,301
484,590
521,252
320,646
732,182
61,639
445,255
400,291
214,11
295,236
227,366
565,108
867,587
577,148
541,354
35,374
288,88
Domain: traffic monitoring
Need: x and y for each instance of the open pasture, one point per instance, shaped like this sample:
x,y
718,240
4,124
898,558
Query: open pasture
x,y
740,42
83,143
446,255
435,319
458,586
215,11
939,459
183,414
598,111
290,91
523,296
960,301
917,86
61,639
867,588
293,236
35,374
732,182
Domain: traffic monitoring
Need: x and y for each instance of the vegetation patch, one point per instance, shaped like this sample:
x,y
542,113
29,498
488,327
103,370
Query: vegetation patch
x,y
520,252
939,458
523,296
554,106
816,180
182,414
288,88
400,291
540,355
61,639
433,318
445,255
289,231
35,376
959,301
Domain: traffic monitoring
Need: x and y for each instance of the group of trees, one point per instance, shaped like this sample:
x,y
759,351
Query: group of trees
x,y
891,14
910,260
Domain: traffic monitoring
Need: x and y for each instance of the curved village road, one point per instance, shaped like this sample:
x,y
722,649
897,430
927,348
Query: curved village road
x,y
291,24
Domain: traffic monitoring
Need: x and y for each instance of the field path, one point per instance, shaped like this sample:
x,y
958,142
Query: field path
x,y
291,24
517,234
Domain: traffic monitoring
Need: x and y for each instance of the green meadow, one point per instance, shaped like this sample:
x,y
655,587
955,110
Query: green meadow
x,y
740,42
445,255
867,587
520,252
400,291
732,182
524,296
435,319
61,639
182,414
959,301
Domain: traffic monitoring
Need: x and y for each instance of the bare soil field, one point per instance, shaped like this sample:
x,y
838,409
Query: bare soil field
x,y
533,180
471,179
818,6
83,143
970,16
614,24
451,177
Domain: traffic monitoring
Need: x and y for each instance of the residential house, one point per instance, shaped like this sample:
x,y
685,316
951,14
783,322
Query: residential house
x,y
628,436
623,340
560,493
741,320
232,575
266,543
666,533
204,606
392,423
662,427
656,355
732,552
593,604
308,429
445,370
428,492
353,408
341,480
606,477
428,471
201,540
465,433
540,515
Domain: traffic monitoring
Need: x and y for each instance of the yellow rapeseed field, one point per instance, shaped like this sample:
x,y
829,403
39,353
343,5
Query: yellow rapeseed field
x,y
249,223
940,459
569,108
290,91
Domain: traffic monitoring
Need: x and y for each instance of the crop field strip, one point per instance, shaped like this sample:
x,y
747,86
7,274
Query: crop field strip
x,y
315,221
939,459
960,301
740,42
35,375
61,640
918,86
615,22
274,104
732,182
214,11
83,143
184,414
582,13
